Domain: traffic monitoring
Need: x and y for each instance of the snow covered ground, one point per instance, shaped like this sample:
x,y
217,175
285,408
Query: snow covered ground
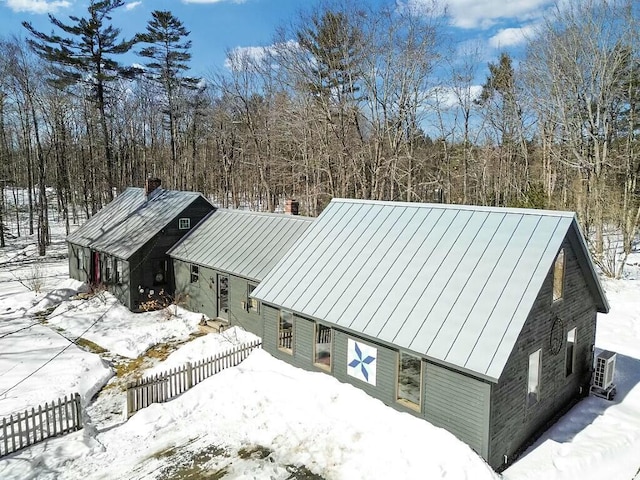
x,y
264,418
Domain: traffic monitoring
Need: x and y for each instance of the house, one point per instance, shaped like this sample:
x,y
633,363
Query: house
x,y
124,246
480,320
217,266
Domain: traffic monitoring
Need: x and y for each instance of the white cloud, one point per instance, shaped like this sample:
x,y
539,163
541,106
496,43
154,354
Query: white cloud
x,y
447,98
509,37
37,6
486,13
239,58
132,5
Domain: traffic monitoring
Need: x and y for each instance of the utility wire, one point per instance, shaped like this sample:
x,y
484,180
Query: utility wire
x,y
57,354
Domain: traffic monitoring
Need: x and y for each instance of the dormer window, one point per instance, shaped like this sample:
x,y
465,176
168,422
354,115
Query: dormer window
x,y
184,223
558,276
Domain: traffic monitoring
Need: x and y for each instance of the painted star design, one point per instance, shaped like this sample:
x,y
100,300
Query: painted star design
x,y
361,362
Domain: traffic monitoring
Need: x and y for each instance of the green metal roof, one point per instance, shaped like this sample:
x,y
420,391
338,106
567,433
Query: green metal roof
x,y
244,243
131,220
453,283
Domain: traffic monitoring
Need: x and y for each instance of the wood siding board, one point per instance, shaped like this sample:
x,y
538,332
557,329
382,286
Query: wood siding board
x,y
512,423
250,321
469,420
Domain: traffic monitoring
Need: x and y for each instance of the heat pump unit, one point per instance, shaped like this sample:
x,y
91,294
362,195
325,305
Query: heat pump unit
x,y
605,368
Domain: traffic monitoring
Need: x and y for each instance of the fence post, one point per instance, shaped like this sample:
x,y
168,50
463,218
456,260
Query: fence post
x,y
189,374
4,437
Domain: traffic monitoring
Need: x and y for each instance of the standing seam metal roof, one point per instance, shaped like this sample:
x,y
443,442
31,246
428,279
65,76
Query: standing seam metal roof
x,y
131,220
453,283
244,243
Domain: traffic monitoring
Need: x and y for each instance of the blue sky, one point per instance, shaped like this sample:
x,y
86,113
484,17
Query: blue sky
x,y
219,25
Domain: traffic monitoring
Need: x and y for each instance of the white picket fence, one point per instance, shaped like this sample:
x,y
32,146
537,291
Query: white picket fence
x,y
165,386
32,426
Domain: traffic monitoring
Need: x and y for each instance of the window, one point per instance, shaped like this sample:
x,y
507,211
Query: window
x,y
80,259
118,268
285,331
195,273
184,223
409,380
252,303
108,267
570,355
159,272
322,355
533,381
558,276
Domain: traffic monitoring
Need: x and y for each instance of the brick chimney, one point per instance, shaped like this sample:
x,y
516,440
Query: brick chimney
x,y
291,206
150,185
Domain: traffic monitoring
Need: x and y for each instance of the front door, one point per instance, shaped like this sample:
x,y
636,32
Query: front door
x,y
96,268
223,297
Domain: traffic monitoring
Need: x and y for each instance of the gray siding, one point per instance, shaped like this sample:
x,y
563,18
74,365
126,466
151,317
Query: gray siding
x,y
459,404
202,296
82,271
78,270
442,389
385,388
513,424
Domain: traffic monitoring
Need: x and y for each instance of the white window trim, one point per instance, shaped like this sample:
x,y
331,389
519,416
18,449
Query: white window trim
x,y
194,274
184,223
538,378
573,352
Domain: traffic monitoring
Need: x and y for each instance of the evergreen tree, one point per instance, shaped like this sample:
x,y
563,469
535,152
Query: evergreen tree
x,y
83,53
336,47
168,52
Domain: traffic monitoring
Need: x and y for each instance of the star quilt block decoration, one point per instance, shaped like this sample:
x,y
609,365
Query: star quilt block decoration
x,y
361,361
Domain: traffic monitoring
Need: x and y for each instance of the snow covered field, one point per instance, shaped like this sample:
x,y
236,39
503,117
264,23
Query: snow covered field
x,y
263,419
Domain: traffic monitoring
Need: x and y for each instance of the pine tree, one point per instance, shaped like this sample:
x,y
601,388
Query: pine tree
x,y
168,52
83,53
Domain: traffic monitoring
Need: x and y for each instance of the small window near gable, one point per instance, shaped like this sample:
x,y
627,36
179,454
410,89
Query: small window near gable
x,y
570,354
558,276
533,378
285,331
252,303
409,380
184,223
195,273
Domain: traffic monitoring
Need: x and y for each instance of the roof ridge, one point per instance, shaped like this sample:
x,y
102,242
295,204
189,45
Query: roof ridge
x,y
266,214
454,206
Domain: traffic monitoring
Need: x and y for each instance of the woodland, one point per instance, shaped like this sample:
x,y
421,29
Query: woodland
x,y
349,100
